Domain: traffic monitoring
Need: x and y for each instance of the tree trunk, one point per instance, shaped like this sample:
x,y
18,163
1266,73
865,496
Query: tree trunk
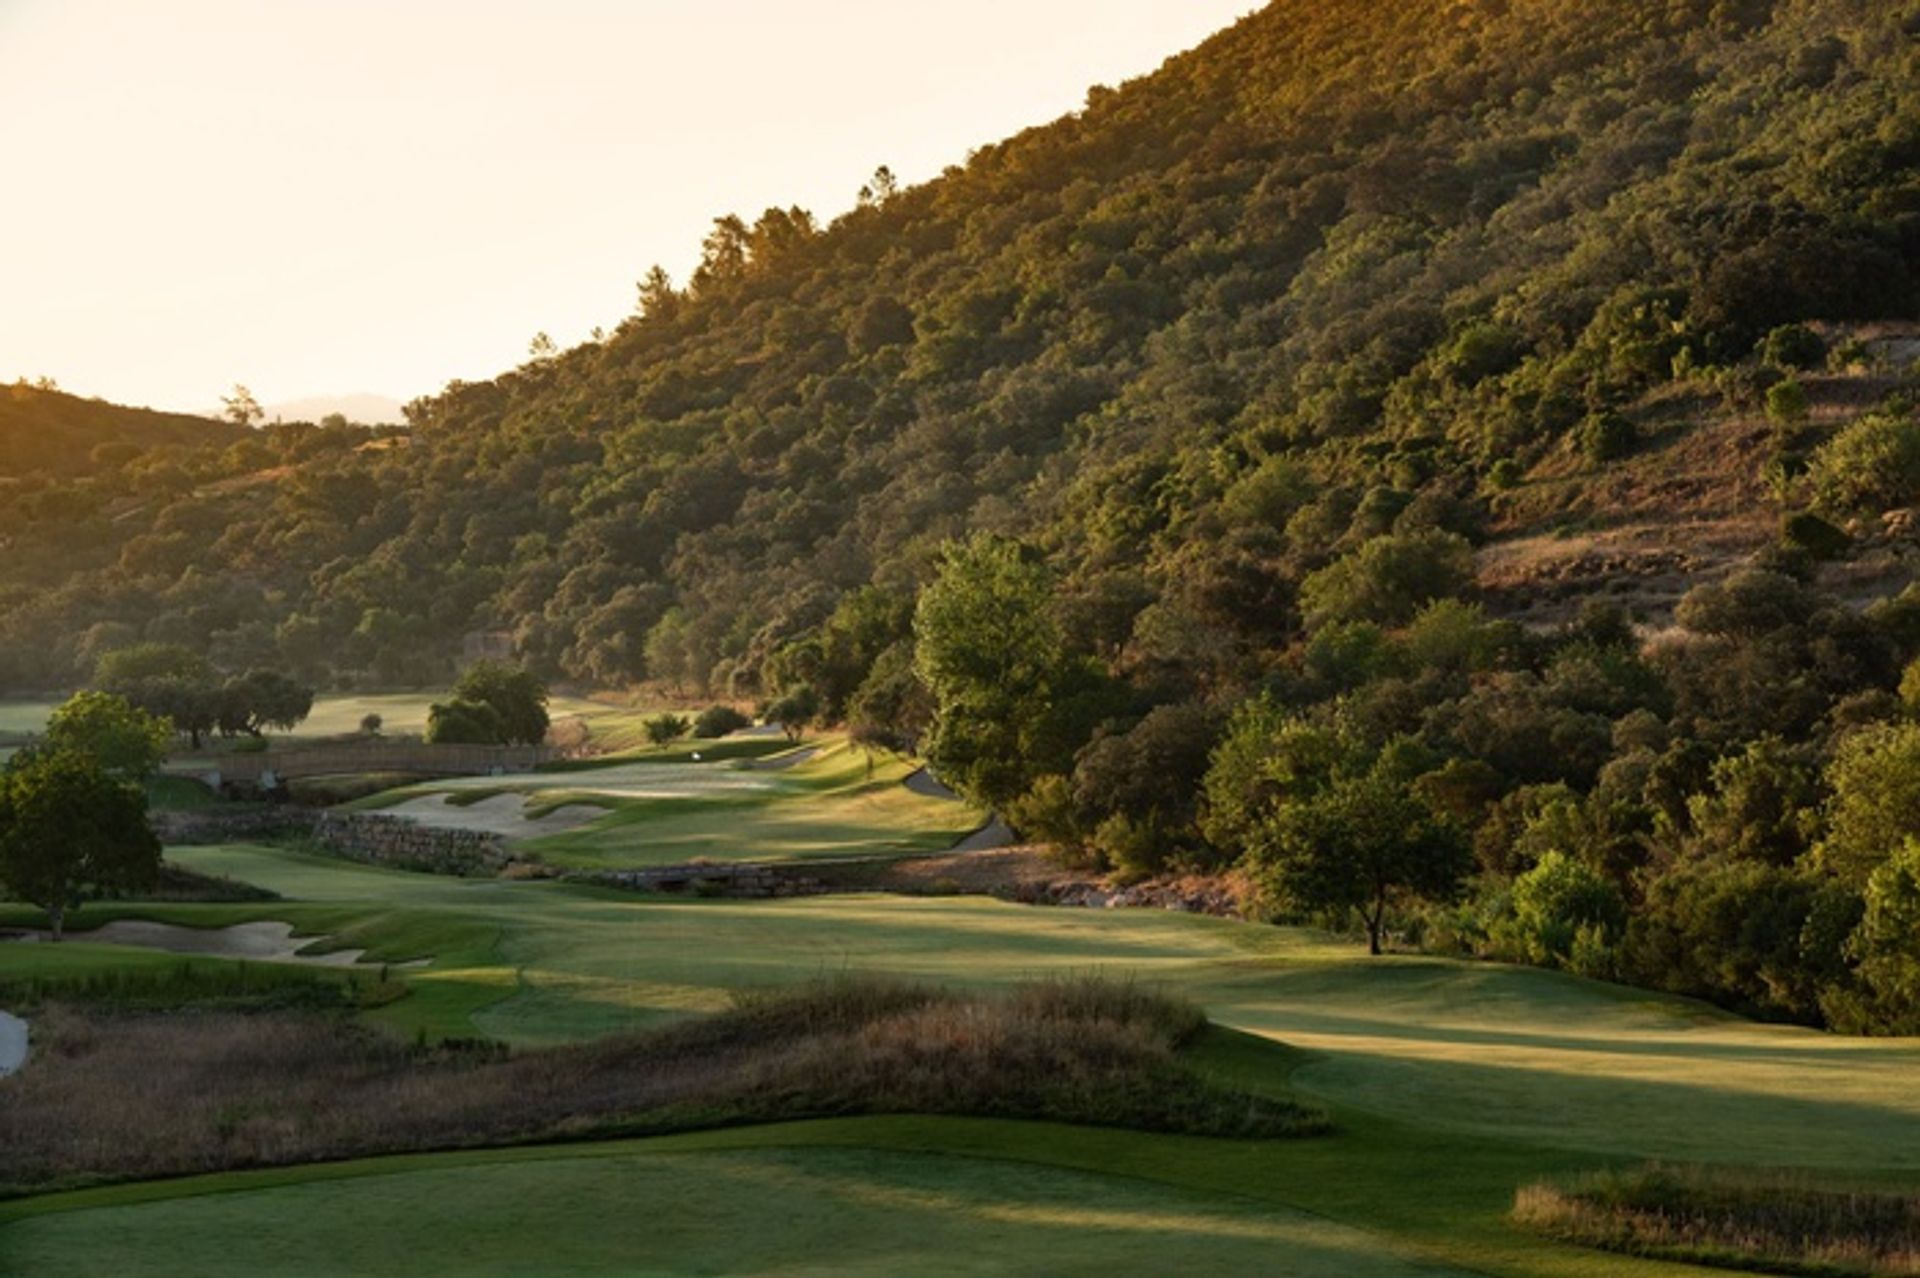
x,y
56,920
1376,921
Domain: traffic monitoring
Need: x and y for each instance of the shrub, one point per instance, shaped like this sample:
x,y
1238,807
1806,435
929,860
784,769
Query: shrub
x,y
1793,346
1606,437
1787,404
1388,579
718,721
1778,1222
1505,474
1807,531
1875,780
370,725
1872,465
1557,901
662,728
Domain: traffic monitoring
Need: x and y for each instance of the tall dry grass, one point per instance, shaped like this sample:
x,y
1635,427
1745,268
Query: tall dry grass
x,y
1774,1222
119,1095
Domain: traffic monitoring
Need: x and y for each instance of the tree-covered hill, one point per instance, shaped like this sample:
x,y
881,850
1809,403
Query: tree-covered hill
x,y
46,432
1450,461
1339,271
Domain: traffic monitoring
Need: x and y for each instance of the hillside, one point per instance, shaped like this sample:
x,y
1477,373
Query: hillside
x,y
44,431
1310,281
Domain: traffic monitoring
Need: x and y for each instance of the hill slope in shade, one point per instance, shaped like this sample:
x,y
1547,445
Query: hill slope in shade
x,y
49,432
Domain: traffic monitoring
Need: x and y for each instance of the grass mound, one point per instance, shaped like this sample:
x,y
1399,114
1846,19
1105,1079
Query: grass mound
x,y
120,1096
1772,1222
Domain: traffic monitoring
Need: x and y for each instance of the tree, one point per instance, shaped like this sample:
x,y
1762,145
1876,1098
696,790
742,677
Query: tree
x,y
795,710
717,721
261,699
517,697
1388,579
1875,808
460,722
67,828
988,648
662,728
658,299
124,740
883,186
241,408
1359,844
370,725
166,680
1887,943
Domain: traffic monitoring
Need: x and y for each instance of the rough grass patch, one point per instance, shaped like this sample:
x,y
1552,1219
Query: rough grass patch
x,y
112,1096
1773,1222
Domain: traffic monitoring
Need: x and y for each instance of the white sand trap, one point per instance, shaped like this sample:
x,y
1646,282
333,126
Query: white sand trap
x,y
269,941
13,1044
503,814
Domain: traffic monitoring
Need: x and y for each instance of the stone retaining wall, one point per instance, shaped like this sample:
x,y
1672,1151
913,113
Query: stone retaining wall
x,y
394,841
186,828
703,879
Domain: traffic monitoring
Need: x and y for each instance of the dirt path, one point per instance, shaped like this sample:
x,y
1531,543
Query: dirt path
x,y
268,941
923,782
13,1043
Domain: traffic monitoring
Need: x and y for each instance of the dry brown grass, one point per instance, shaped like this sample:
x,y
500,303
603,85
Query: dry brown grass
x,y
125,1096
1773,1222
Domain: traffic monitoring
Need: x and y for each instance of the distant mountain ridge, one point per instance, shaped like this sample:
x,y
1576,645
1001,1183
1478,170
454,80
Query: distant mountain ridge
x,y
363,407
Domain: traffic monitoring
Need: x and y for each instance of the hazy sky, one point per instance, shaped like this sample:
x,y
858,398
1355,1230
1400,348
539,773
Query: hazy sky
x,y
328,196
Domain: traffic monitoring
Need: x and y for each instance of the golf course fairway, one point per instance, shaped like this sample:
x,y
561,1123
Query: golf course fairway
x,y
1449,1084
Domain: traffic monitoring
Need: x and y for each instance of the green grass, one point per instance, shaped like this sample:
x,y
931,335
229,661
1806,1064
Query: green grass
x,y
25,718
1450,1084
629,1208
664,810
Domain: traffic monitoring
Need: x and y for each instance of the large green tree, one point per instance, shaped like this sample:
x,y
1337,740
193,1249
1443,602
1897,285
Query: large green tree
x,y
123,739
989,648
68,828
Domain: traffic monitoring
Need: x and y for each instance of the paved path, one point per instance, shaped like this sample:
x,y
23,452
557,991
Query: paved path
x,y
13,1044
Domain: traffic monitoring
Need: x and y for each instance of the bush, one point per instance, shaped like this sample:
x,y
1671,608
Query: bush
x,y
1505,474
1872,465
1606,437
662,728
1561,904
1793,346
719,721
1787,404
1387,580
1820,539
464,723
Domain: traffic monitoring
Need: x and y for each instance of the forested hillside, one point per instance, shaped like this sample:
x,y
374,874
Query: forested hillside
x,y
1291,380
45,432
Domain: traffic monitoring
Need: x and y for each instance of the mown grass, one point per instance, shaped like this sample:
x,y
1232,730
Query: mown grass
x,y
620,1208
838,802
1450,1084
1769,1221
119,1095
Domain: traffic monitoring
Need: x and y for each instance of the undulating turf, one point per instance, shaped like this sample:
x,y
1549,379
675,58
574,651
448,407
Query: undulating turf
x,y
1450,1083
663,809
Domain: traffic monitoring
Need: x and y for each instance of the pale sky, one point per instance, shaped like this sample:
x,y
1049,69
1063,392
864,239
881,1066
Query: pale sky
x,y
331,196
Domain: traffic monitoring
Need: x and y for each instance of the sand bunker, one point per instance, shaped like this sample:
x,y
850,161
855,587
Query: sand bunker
x,y
268,941
994,834
503,814
13,1044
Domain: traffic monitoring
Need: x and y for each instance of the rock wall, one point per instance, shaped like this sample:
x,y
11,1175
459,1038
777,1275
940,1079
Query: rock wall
x,y
704,879
394,841
186,828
